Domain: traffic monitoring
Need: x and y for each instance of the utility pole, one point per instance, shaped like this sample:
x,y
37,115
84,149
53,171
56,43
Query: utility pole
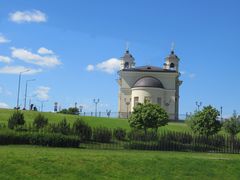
x,y
96,101
25,98
19,85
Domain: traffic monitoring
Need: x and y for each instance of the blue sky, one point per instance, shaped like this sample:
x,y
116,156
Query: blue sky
x,y
57,40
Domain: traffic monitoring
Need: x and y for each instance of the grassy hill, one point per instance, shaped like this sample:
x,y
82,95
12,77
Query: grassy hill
x,y
29,162
92,121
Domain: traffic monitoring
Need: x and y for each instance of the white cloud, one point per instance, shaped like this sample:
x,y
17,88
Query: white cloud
x,y
192,75
18,69
109,66
3,39
4,105
43,50
90,67
28,16
5,59
29,57
42,93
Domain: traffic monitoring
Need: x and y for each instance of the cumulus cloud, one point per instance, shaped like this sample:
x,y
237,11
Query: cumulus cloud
x,y
5,59
3,39
90,67
28,16
42,93
18,69
109,66
43,50
4,105
29,57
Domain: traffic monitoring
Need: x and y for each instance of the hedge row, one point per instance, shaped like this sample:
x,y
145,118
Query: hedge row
x,y
42,139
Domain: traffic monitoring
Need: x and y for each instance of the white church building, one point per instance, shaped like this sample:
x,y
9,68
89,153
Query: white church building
x,y
158,85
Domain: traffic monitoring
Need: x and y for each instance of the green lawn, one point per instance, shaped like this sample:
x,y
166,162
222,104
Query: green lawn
x,y
29,162
92,121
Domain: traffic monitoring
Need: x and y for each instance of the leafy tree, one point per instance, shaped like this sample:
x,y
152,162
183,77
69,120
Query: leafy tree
x,y
205,122
232,125
40,121
148,115
17,119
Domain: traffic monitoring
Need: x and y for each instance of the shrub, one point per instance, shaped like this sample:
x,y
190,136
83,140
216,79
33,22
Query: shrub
x,y
16,119
40,121
82,129
140,135
43,139
64,127
119,133
52,128
102,134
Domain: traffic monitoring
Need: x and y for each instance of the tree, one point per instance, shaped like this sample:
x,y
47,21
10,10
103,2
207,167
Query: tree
x,y
71,110
232,125
148,115
40,121
205,122
17,119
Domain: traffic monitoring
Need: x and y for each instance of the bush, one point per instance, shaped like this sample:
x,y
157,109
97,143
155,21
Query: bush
x,y
64,127
82,129
119,133
102,134
52,128
43,139
140,135
40,121
15,120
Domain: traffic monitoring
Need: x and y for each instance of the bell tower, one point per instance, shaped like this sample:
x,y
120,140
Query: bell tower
x,y
172,61
127,61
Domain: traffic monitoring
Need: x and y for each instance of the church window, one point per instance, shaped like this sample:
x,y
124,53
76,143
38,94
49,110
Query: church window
x,y
159,101
126,65
147,99
136,99
172,65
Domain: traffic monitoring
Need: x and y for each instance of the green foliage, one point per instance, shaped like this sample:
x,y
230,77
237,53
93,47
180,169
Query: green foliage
x,y
205,122
119,133
232,125
82,129
140,135
43,139
71,110
40,121
17,119
64,127
102,134
148,115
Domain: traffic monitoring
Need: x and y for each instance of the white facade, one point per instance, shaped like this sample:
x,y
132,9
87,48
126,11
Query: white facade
x,y
155,84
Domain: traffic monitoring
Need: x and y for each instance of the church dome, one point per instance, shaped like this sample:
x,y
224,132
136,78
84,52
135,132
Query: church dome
x,y
148,82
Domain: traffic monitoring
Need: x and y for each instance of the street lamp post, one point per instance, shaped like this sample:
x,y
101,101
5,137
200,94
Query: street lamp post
x,y
25,98
19,84
127,103
96,101
198,104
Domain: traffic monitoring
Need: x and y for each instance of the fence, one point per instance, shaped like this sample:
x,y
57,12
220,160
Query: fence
x,y
122,115
170,141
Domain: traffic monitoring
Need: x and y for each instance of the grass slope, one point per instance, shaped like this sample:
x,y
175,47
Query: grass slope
x,y
92,121
29,162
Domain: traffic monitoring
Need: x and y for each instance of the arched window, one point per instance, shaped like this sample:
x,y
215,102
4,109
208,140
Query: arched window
x,y
126,65
172,65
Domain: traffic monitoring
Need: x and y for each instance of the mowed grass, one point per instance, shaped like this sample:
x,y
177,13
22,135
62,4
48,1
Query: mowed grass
x,y
29,162
92,121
